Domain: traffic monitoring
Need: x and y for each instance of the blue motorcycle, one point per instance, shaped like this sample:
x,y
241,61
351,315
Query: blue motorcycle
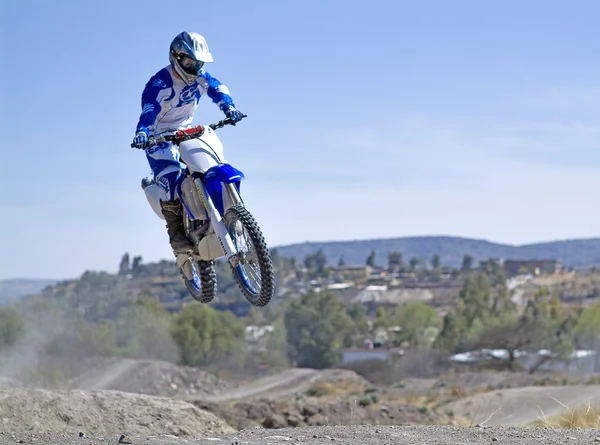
x,y
216,220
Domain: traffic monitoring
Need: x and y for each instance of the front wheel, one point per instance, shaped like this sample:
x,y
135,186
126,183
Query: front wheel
x,y
254,273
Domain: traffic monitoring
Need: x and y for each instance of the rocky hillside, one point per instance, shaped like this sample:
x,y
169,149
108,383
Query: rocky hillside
x,y
574,253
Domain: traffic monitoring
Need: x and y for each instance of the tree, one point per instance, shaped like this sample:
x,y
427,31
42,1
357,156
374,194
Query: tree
x,y
450,336
395,261
381,319
381,325
316,264
124,266
371,259
467,263
209,337
11,326
414,319
136,266
435,262
587,329
317,326
510,333
341,262
358,315
414,262
475,295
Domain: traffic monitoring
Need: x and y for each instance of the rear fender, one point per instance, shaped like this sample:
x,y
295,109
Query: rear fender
x,y
218,175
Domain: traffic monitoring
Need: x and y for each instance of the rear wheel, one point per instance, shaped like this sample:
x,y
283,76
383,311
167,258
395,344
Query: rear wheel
x,y
254,273
203,282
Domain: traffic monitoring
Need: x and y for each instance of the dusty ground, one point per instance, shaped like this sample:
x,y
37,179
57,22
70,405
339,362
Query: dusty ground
x,y
102,412
294,398
355,435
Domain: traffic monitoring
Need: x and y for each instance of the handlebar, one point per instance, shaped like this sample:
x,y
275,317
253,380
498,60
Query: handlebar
x,y
183,135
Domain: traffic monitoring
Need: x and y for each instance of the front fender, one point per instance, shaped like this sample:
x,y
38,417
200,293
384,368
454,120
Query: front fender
x,y
215,176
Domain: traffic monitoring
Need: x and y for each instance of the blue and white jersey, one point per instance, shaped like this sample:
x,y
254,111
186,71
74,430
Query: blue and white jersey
x,y
168,104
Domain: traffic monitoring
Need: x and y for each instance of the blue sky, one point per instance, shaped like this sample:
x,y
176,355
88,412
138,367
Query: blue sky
x,y
365,120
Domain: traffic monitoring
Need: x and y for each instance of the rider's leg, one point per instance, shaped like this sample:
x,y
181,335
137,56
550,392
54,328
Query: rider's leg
x,y
164,162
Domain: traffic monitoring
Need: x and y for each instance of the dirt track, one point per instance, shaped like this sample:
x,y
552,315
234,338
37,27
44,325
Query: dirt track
x,y
289,382
356,435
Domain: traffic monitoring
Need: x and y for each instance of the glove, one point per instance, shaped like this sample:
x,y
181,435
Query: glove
x,y
140,139
234,115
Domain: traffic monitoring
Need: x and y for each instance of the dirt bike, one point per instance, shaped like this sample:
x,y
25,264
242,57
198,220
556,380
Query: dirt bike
x,y
215,218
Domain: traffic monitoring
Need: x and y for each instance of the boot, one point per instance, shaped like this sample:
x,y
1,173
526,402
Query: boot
x,y
172,211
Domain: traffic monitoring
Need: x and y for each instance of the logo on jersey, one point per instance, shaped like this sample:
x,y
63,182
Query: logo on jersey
x,y
163,183
159,83
157,147
189,94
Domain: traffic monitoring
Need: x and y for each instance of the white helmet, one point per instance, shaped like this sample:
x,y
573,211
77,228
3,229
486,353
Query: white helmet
x,y
187,54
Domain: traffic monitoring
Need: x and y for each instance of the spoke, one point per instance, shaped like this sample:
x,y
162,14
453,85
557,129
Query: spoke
x,y
255,276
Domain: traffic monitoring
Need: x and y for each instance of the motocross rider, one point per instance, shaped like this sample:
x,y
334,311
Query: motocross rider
x,y
169,101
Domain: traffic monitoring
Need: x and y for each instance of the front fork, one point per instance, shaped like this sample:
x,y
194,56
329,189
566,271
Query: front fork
x,y
217,222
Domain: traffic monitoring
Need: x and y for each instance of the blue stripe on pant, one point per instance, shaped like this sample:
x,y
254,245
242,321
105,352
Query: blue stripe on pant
x,y
164,162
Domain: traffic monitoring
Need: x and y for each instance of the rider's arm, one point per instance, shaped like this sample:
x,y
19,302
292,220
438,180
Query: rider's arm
x,y
157,86
218,92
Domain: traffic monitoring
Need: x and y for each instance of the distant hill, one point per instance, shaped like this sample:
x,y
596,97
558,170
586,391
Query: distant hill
x,y
573,253
15,288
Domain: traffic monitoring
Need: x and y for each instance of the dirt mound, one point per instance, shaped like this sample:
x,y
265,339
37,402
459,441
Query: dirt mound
x,y
151,377
102,412
521,406
269,413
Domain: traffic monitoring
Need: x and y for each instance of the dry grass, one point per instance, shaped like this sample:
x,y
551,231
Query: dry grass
x,y
435,399
343,388
575,418
365,398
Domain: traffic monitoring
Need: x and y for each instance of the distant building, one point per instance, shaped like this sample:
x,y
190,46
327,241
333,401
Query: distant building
x,y
351,273
358,354
534,267
256,335
491,263
372,350
517,267
581,361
